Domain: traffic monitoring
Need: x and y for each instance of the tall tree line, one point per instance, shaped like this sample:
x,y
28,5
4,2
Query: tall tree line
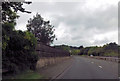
x,y
110,49
18,47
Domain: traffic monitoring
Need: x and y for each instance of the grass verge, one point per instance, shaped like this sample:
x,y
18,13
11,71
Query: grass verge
x,y
28,75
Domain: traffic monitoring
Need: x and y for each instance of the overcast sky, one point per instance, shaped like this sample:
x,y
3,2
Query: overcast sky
x,y
87,22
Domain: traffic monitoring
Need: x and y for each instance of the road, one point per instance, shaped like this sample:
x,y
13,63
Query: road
x,y
89,68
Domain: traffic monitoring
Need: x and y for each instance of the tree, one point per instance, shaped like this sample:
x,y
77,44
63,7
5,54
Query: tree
x,y
42,30
18,47
9,14
19,53
110,49
80,47
9,10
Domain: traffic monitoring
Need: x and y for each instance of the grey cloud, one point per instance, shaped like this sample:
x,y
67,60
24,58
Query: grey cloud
x,y
81,24
98,42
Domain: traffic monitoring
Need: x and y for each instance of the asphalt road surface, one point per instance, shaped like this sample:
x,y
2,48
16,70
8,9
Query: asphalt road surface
x,y
89,68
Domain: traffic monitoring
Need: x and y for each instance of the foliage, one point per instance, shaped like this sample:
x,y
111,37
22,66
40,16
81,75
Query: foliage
x,y
75,51
29,36
18,47
70,49
42,30
110,49
9,10
28,75
16,57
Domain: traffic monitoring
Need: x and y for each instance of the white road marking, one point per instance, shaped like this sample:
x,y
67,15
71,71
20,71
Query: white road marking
x,y
100,66
92,62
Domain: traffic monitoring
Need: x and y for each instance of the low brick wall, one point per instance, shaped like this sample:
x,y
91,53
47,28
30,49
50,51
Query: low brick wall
x,y
45,61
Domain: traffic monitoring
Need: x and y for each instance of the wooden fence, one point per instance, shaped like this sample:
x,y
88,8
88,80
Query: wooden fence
x,y
47,51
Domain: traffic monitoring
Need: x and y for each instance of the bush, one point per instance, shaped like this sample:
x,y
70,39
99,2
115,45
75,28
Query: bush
x,y
110,49
19,51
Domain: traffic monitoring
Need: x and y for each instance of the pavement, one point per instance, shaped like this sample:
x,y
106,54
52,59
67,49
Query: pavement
x,y
55,70
78,67
88,68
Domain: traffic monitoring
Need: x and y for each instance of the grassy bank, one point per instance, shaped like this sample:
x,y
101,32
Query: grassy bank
x,y
29,75
26,75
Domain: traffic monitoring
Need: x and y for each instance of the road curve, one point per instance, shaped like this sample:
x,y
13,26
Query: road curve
x,y
88,68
